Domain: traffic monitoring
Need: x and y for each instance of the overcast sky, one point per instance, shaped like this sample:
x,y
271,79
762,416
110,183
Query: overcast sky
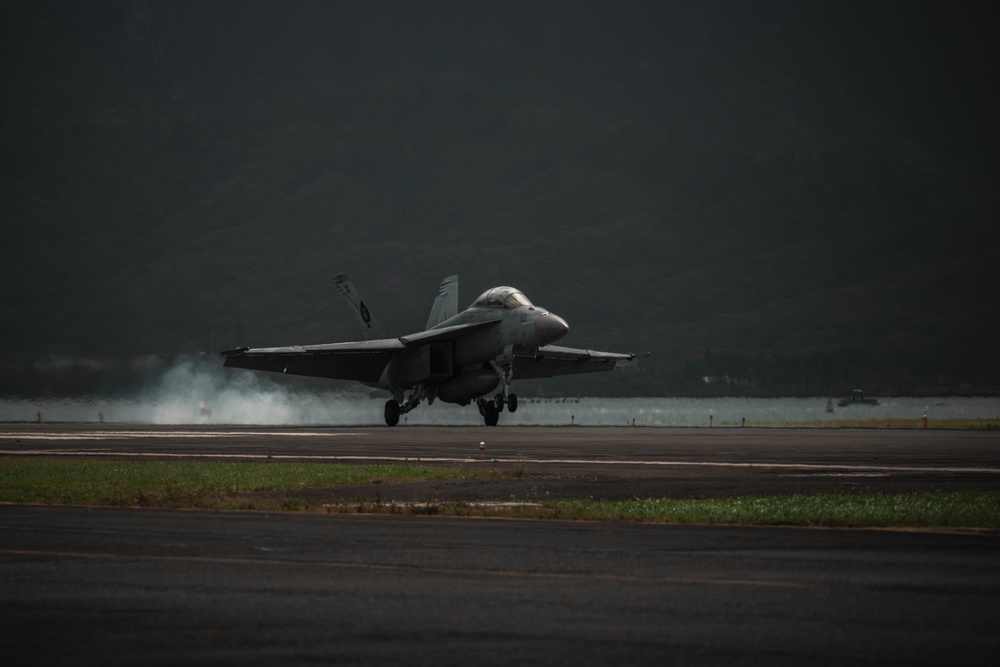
x,y
153,150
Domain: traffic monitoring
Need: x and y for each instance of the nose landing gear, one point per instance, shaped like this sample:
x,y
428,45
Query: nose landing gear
x,y
510,401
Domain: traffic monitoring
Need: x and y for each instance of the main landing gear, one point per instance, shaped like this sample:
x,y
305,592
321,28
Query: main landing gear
x,y
392,412
396,406
490,410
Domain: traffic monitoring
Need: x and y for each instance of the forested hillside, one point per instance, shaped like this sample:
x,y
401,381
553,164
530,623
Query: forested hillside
x,y
732,190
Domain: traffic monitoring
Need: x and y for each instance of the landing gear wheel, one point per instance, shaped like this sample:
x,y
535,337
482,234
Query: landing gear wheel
x,y
498,402
391,412
512,403
490,414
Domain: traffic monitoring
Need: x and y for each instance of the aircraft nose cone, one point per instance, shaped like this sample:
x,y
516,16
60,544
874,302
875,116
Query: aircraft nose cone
x,y
550,328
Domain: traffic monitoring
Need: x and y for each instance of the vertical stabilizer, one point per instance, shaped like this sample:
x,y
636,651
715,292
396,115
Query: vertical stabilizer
x,y
446,302
370,329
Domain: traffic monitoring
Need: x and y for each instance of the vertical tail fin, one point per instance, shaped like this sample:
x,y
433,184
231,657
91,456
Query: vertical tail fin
x,y
445,303
370,329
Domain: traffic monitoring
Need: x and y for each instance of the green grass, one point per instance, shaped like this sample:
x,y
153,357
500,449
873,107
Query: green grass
x,y
944,424
223,485
967,509
184,483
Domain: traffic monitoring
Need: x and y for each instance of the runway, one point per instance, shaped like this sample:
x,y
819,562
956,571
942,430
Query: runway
x,y
126,586
622,462
120,586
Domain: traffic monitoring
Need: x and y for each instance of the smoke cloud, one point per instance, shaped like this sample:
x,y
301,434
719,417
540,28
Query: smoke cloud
x,y
201,391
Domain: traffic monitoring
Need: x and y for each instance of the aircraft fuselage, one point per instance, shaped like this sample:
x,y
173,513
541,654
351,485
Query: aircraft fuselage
x,y
461,367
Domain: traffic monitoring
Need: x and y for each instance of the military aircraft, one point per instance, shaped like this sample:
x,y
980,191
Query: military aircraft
x,y
460,357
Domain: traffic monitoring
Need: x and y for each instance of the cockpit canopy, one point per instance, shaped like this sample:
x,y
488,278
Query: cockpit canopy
x,y
501,297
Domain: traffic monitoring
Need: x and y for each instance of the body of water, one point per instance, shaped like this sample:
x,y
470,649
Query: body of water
x,y
336,409
193,392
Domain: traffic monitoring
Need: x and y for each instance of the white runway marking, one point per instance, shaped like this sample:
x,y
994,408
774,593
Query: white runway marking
x,y
856,469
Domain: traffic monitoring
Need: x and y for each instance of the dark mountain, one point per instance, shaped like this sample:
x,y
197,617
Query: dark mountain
x,y
768,197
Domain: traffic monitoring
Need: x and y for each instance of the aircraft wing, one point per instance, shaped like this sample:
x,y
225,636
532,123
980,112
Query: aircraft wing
x,y
362,361
447,333
553,360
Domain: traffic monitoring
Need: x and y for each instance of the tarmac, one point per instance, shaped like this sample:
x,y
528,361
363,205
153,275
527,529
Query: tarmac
x,y
127,586
588,462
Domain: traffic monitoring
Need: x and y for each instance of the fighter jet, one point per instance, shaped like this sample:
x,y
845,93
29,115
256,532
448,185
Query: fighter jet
x,y
460,357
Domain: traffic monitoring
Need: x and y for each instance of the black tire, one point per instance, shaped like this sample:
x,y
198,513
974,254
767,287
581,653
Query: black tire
x,y
391,413
498,402
490,414
512,403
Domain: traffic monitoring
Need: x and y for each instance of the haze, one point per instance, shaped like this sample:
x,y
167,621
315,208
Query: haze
x,y
772,198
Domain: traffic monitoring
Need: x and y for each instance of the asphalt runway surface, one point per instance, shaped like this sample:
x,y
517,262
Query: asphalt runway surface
x,y
124,586
127,586
607,463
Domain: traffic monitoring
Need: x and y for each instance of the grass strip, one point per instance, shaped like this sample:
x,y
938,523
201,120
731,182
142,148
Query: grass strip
x,y
180,484
888,423
963,509
237,485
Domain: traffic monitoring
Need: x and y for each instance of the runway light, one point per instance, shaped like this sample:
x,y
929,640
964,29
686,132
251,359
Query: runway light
x,y
482,450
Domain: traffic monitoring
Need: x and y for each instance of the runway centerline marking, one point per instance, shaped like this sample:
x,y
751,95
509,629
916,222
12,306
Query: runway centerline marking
x,y
519,461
